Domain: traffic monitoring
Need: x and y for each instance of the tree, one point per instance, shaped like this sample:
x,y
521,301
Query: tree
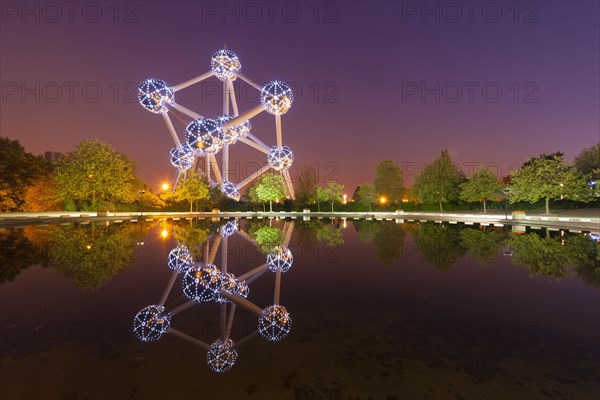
x,y
270,189
333,193
319,197
388,181
367,195
548,177
195,190
95,171
41,196
18,170
253,196
588,160
267,237
482,186
439,181
306,184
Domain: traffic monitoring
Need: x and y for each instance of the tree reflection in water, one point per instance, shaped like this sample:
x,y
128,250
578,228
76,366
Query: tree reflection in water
x,y
549,257
484,244
440,245
92,255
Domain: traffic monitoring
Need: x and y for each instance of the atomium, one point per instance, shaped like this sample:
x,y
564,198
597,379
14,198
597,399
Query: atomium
x,y
277,97
154,95
180,259
230,190
275,323
221,356
204,134
209,137
202,284
151,323
224,63
233,133
182,157
231,285
280,259
280,158
228,229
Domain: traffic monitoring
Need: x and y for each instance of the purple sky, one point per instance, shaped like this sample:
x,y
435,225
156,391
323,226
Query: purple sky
x,y
369,73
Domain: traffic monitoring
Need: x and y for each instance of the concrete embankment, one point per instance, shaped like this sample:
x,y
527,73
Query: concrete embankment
x,y
571,220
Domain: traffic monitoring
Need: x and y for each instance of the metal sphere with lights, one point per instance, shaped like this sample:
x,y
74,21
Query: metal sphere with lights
x,y
182,157
151,323
154,95
228,229
202,284
277,97
180,259
205,135
221,356
207,138
275,323
280,158
280,259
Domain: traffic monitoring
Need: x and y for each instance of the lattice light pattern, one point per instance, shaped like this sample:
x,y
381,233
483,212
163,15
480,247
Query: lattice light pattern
x,y
205,282
206,138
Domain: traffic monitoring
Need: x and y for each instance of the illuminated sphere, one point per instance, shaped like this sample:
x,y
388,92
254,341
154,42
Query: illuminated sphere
x,y
151,323
280,158
221,356
154,95
225,64
275,323
231,285
202,284
230,190
280,258
204,134
233,133
277,97
182,157
180,259
228,229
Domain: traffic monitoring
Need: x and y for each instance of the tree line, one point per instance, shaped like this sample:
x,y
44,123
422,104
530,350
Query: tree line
x,y
94,176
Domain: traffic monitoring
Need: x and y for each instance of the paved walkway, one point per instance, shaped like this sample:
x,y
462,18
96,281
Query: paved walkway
x,y
582,220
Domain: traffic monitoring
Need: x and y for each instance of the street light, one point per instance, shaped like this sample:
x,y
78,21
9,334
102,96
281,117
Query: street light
x,y
382,200
506,191
165,186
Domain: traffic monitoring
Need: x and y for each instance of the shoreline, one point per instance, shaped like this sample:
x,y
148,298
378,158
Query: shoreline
x,y
576,221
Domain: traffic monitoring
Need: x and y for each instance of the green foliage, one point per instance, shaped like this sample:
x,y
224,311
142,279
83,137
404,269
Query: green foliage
x,y
388,181
367,230
319,197
548,177
588,161
92,256
484,245
544,257
333,193
439,181
94,171
330,234
268,237
389,242
439,244
193,236
270,189
18,170
18,253
482,186
306,184
367,195
193,191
